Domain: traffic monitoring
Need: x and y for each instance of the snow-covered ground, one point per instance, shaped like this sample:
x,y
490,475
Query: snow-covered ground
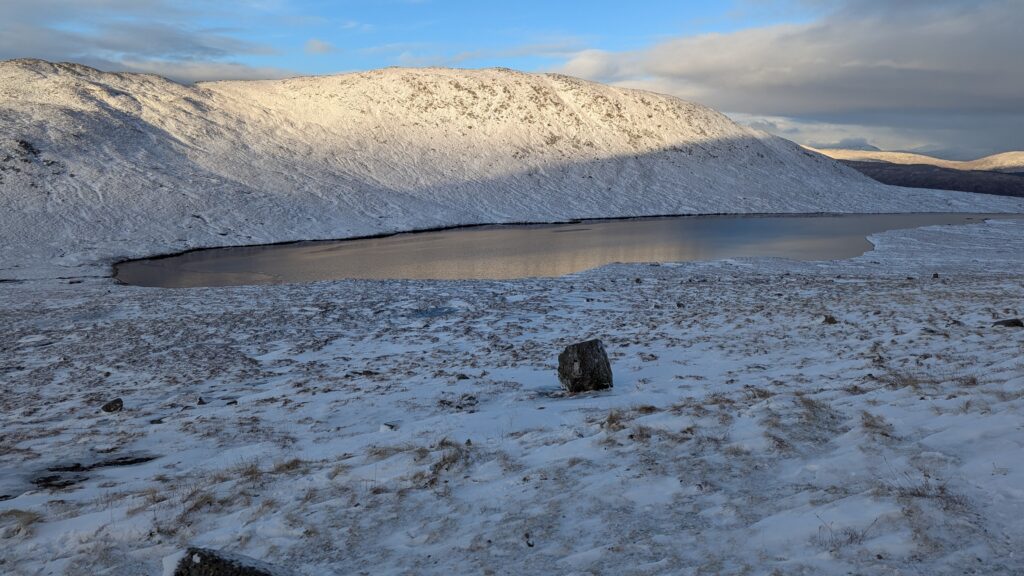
x,y
417,427
97,167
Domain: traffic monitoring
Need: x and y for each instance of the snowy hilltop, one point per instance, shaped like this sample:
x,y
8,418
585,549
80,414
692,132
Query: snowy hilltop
x,y
96,167
1003,162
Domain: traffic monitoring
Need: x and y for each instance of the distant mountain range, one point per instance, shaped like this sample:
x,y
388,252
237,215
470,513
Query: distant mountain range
x,y
95,166
1001,174
1004,162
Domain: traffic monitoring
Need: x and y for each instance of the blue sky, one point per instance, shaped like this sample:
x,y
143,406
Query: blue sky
x,y
526,35
936,76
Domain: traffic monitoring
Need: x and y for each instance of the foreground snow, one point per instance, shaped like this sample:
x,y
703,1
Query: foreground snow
x,y
97,167
417,427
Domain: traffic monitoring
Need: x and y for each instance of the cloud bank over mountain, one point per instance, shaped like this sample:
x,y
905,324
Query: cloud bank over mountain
x,y
172,39
944,73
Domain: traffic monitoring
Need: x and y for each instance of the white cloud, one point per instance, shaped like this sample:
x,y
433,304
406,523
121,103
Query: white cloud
x,y
421,55
911,64
314,46
819,134
202,71
159,36
356,26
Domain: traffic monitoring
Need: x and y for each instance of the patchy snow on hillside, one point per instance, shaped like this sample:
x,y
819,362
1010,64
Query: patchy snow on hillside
x,y
97,167
768,417
1003,162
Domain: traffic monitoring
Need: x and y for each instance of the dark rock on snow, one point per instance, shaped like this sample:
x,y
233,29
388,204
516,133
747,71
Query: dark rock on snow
x,y
57,481
584,366
1010,323
114,405
205,562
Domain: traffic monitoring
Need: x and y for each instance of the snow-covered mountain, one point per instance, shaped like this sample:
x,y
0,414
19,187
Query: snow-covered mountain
x,y
1003,162
96,166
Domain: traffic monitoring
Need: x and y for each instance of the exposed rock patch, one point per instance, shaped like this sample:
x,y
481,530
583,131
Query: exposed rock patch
x,y
1010,323
205,562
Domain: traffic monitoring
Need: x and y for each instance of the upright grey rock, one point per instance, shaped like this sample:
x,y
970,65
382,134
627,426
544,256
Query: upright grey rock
x,y
584,366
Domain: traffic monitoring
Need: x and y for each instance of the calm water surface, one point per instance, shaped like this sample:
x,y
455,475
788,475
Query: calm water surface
x,y
520,251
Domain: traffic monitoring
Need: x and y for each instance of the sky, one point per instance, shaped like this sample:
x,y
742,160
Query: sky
x,y
938,76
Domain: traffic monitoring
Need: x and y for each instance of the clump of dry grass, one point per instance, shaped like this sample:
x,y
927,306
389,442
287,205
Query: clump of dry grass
x,y
15,522
800,422
641,433
266,505
906,486
834,540
310,495
876,425
966,381
755,393
854,389
197,499
614,421
736,451
617,418
684,435
453,456
719,399
385,452
337,470
248,472
919,384
289,466
150,497
779,444
575,461
817,413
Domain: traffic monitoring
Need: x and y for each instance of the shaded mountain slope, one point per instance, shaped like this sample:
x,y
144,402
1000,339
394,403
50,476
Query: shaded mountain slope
x,y
935,177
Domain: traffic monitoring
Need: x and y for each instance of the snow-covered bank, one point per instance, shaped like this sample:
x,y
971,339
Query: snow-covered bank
x,y
416,427
96,167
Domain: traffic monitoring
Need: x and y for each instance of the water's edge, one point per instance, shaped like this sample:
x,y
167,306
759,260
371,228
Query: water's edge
x,y
118,268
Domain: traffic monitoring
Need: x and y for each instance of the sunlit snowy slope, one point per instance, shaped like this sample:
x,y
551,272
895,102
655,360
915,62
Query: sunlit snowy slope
x,y
1004,162
96,166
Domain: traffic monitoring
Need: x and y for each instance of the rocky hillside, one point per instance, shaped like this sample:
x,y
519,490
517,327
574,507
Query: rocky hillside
x,y
96,167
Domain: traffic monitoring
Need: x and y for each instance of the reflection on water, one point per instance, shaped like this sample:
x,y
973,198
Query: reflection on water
x,y
500,252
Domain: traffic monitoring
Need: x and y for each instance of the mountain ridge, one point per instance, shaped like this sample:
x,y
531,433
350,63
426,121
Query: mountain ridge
x,y
1011,161
96,167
